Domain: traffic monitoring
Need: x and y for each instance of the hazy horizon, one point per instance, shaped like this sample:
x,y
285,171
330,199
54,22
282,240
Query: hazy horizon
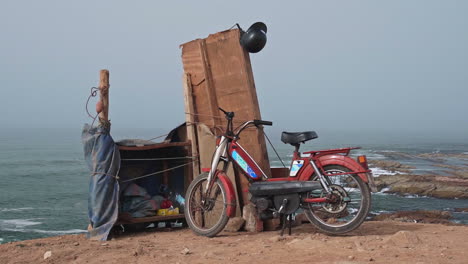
x,y
375,70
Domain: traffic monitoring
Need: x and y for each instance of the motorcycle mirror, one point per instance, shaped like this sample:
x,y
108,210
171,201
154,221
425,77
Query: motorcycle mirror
x,y
254,39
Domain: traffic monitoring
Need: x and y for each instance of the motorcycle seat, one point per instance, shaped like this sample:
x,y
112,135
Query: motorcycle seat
x,y
295,138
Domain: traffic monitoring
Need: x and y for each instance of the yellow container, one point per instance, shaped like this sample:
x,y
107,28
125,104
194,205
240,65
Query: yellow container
x,y
162,212
168,211
173,211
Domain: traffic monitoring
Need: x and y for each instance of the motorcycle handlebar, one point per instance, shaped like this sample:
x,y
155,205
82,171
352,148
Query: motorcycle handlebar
x,y
263,122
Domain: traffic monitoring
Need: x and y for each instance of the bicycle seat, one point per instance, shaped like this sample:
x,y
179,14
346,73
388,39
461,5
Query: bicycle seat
x,y
295,138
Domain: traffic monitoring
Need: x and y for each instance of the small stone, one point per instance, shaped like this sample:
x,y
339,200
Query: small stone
x,y
294,241
47,254
351,257
371,259
249,213
164,255
276,238
104,244
76,244
185,251
135,253
349,247
235,224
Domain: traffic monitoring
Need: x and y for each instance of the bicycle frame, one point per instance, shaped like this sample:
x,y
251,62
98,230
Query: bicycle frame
x,y
229,150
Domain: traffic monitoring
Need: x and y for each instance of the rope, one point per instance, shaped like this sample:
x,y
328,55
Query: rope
x,y
219,117
93,93
151,139
158,172
94,173
144,176
174,158
273,148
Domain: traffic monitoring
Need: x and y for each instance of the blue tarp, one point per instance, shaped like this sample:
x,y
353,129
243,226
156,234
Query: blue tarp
x,y
103,159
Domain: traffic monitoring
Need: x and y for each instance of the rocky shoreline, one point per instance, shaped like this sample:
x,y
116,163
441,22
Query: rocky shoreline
x,y
452,185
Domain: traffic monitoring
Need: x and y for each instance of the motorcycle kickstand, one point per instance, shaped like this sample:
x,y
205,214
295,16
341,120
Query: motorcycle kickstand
x,y
287,217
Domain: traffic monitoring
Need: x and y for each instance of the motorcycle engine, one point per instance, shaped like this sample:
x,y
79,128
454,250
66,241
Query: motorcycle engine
x,y
291,202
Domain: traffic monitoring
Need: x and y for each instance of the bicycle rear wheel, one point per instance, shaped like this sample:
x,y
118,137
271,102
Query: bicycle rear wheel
x,y
350,208
206,218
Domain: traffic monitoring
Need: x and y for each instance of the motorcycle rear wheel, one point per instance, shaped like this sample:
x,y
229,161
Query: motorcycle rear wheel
x,y
351,208
210,218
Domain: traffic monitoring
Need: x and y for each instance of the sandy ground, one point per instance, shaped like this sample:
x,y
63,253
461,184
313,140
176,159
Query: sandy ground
x,y
374,241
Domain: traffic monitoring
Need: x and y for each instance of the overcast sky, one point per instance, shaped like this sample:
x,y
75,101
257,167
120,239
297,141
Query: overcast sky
x,y
391,67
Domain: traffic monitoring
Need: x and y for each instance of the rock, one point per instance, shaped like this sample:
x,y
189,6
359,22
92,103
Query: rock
x,y
351,257
403,239
271,224
424,185
76,244
185,251
276,238
392,166
461,210
47,254
249,213
235,224
419,216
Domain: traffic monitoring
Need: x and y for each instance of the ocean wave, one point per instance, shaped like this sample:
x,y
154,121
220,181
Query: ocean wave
x,y
17,223
58,232
376,172
384,191
41,231
15,209
380,212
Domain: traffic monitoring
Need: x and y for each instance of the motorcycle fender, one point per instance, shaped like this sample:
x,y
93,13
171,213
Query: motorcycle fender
x,y
344,161
230,193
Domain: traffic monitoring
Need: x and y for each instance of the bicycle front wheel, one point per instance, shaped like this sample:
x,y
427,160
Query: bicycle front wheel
x,y
206,217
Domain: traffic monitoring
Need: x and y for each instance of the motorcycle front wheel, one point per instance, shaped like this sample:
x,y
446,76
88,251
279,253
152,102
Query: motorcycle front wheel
x,y
206,217
349,208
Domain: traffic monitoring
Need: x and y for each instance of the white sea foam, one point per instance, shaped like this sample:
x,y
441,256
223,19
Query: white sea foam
x,y
384,191
17,223
381,212
58,232
376,172
21,225
15,209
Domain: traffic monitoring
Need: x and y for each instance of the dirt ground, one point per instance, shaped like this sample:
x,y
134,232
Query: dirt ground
x,y
374,241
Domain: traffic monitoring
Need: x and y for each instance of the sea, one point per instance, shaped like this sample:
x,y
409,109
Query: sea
x,y
44,179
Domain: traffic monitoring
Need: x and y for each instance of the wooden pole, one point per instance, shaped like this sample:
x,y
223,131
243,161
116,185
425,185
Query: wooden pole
x,y
190,120
104,94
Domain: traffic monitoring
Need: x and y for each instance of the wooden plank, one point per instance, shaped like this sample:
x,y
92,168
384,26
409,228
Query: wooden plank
x,y
124,219
235,89
190,120
104,94
210,89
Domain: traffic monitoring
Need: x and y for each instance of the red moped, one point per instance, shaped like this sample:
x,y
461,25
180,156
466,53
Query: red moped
x,y
330,187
